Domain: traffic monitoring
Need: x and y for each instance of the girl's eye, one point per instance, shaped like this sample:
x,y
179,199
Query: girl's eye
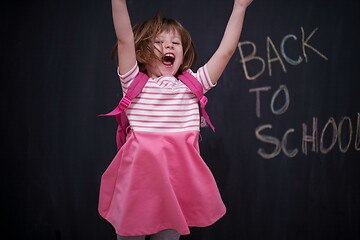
x,y
158,41
176,43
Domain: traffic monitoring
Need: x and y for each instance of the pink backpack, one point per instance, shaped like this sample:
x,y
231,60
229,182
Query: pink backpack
x,y
136,87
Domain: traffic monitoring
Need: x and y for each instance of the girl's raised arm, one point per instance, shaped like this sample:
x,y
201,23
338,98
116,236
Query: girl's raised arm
x,y
125,36
217,63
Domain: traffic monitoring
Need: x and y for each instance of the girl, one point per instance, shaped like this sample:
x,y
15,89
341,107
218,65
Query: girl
x,y
162,185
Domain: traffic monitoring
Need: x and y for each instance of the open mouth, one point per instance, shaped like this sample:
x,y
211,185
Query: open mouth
x,y
168,59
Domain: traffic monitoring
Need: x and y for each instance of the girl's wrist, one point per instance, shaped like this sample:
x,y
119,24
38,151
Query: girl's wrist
x,y
239,5
240,9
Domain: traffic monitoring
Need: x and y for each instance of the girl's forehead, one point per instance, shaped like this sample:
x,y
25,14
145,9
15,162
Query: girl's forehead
x,y
169,33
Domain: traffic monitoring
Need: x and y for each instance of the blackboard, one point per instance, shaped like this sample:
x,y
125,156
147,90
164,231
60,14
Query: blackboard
x,y
287,114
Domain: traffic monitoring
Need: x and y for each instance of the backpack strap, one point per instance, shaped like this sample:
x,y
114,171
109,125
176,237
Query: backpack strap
x,y
139,82
194,85
134,89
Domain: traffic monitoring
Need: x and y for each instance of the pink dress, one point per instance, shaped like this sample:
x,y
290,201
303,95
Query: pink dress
x,y
158,179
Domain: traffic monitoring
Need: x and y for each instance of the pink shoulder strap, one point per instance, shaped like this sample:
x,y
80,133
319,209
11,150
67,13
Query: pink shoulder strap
x,y
139,82
194,85
134,89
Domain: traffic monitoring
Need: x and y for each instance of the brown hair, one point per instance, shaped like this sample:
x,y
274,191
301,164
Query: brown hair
x,y
145,32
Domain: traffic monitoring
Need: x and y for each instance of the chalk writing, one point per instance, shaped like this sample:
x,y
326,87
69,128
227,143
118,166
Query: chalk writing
x,y
278,145
330,133
282,49
279,111
334,130
287,100
271,46
344,149
267,139
277,58
310,138
333,139
288,153
336,135
251,57
305,44
257,92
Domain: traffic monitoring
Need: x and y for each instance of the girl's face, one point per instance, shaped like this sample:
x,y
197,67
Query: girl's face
x,y
168,47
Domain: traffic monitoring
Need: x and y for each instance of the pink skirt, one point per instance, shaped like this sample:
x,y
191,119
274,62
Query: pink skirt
x,y
159,181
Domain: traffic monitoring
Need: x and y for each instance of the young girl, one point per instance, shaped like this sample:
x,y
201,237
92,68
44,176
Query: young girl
x,y
162,185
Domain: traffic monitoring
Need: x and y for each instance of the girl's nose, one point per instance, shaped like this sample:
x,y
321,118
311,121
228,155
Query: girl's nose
x,y
168,44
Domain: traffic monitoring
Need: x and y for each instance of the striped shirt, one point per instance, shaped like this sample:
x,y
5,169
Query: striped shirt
x,y
165,104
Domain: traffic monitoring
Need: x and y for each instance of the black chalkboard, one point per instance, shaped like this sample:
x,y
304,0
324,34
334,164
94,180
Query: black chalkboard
x,y
287,114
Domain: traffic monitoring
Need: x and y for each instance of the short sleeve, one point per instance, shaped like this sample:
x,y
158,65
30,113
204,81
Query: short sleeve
x,y
203,77
127,78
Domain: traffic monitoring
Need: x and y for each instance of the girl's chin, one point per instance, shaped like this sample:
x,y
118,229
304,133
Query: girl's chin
x,y
169,70
163,71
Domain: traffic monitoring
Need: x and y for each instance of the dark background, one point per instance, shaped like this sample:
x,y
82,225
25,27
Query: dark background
x,y
56,77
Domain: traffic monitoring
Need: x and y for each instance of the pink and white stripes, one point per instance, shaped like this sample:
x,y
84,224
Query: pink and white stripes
x,y
165,104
